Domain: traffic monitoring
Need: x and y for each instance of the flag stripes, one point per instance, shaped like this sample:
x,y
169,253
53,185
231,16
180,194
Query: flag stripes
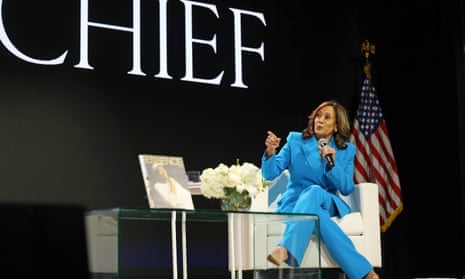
x,y
374,160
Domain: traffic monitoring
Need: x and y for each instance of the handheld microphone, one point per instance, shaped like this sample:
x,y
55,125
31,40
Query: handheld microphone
x,y
328,157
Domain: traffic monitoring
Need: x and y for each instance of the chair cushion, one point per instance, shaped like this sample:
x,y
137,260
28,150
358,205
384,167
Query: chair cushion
x,y
351,223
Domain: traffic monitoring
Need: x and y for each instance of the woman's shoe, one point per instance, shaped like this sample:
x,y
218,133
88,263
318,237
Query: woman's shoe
x,y
278,256
372,275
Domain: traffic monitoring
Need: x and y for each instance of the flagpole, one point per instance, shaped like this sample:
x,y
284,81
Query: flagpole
x,y
367,49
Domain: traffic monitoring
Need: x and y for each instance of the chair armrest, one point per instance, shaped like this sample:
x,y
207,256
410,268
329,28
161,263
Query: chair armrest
x,y
266,201
365,199
260,202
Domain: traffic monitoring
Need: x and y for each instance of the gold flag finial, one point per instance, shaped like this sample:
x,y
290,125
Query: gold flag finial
x,y
367,49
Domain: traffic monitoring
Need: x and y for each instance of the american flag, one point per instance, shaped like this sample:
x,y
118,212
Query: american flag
x,y
374,160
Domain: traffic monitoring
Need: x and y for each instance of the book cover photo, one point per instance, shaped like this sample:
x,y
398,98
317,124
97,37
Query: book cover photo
x,y
166,181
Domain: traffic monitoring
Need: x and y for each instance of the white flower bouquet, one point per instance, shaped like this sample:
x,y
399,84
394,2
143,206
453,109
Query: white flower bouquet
x,y
235,185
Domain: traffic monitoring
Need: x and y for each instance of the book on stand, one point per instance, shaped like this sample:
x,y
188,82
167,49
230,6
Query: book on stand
x,y
165,181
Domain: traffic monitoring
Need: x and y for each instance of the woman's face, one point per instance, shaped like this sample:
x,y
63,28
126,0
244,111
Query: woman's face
x,y
162,171
324,124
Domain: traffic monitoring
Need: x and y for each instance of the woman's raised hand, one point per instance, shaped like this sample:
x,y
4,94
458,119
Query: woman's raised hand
x,y
272,143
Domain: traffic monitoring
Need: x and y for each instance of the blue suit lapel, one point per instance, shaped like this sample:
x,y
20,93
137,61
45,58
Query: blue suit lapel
x,y
312,157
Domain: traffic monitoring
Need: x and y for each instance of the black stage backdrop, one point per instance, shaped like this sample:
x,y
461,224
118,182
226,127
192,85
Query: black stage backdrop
x,y
71,133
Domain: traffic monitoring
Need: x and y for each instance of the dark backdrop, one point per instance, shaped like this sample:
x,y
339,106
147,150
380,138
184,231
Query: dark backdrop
x,y
72,136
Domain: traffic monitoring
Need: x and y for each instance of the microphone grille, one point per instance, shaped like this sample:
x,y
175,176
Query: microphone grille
x,y
322,142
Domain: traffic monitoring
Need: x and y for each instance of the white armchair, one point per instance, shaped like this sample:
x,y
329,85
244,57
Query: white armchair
x,y
362,226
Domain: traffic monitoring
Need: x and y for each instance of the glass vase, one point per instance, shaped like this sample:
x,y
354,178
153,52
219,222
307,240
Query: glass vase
x,y
228,205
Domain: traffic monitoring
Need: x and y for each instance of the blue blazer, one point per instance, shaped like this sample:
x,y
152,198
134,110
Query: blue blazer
x,y
307,169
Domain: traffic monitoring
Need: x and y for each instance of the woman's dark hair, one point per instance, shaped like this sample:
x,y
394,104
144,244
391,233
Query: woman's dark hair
x,y
342,120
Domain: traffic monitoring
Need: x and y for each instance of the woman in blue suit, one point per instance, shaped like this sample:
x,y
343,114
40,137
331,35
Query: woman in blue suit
x,y
320,160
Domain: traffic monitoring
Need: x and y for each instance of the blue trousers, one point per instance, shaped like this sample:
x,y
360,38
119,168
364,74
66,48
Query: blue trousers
x,y
297,235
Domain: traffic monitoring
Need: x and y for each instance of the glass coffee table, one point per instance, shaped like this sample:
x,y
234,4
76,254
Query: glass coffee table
x,y
175,243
